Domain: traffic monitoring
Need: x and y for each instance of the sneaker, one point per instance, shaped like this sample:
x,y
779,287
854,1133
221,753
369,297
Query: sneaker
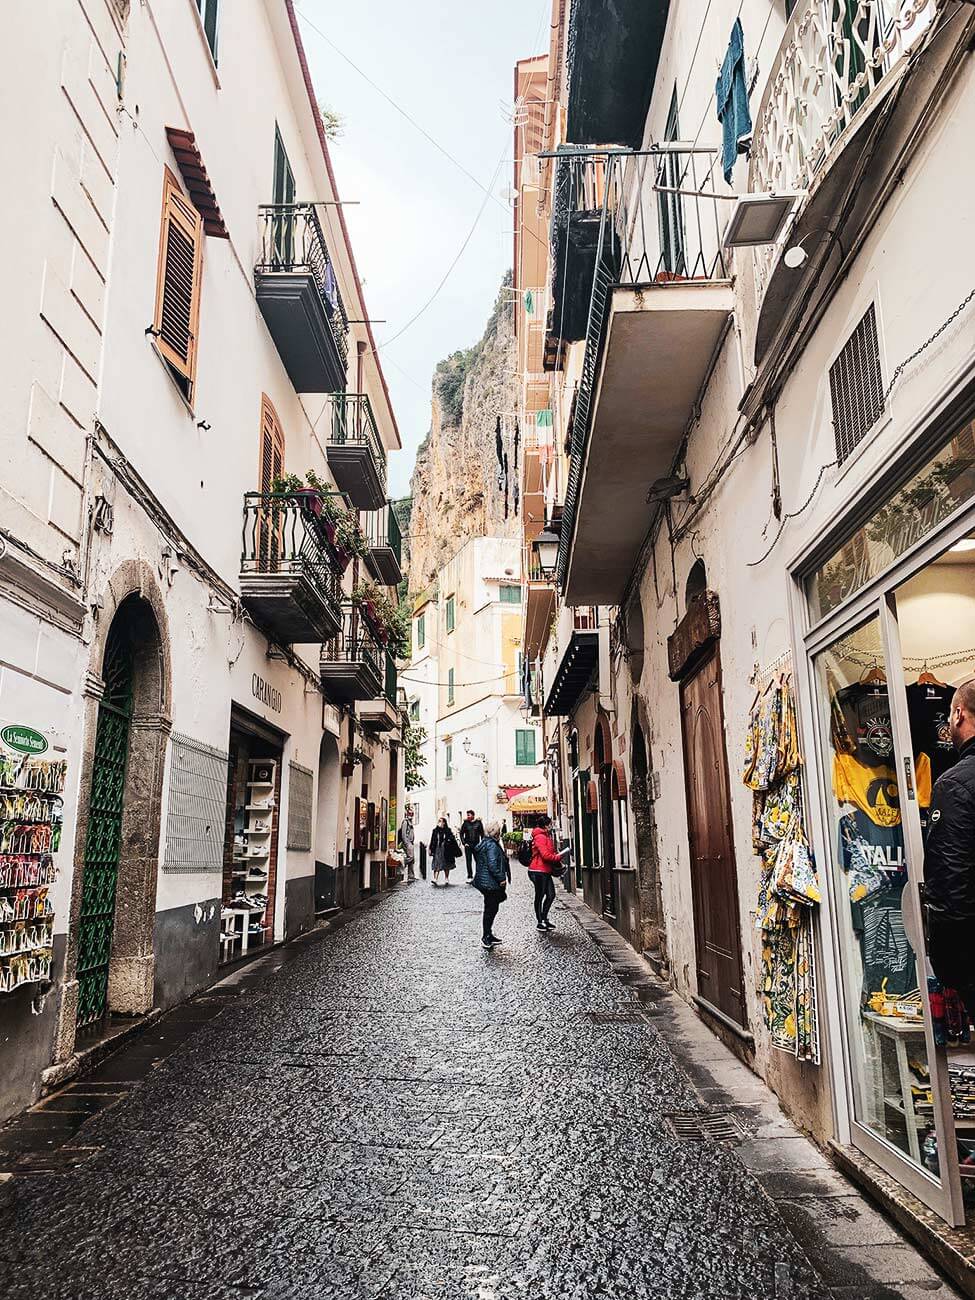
x,y
487,943
541,926
494,940
548,925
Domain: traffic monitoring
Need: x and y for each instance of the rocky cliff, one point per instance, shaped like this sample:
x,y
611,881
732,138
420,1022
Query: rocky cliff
x,y
454,488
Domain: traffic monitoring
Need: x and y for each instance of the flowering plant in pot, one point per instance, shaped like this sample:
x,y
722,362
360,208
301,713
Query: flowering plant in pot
x,y
309,496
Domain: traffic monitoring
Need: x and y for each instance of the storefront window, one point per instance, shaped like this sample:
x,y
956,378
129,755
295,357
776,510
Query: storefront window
x,y
881,973
928,498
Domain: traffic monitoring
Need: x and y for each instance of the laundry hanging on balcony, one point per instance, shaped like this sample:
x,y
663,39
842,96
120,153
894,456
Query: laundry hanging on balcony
x,y
545,427
731,91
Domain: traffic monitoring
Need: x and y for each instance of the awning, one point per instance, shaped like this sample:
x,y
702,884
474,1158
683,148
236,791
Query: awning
x,y
534,800
509,791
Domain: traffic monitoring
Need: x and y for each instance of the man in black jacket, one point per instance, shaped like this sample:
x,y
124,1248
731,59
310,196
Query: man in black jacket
x,y
471,834
949,855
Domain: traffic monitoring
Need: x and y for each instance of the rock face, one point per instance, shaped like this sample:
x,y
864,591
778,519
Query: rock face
x,y
454,488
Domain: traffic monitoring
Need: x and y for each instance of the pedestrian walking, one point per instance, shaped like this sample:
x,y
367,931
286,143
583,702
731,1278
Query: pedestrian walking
x,y
471,834
406,839
491,878
546,863
444,851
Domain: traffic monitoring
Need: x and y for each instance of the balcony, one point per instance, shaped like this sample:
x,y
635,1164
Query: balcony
x,y
836,65
289,582
539,598
352,664
382,712
613,50
660,302
573,659
355,451
385,556
299,298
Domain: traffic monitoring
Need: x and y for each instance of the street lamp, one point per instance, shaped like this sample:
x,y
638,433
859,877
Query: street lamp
x,y
546,548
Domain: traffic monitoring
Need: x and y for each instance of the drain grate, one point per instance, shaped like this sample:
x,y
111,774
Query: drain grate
x,y
626,1016
696,1126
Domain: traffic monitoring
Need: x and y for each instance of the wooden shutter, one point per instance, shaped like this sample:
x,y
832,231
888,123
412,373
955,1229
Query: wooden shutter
x,y
270,467
178,281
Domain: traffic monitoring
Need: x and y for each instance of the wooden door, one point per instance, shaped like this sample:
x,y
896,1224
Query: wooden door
x,y
714,882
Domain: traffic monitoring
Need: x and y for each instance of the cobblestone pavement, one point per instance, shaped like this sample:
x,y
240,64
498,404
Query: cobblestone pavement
x,y
397,1113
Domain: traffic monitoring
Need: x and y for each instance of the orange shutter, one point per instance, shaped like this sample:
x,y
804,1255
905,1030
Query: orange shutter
x,y
271,466
177,314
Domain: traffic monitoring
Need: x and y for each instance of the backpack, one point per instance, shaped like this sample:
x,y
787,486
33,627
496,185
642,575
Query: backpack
x,y
524,853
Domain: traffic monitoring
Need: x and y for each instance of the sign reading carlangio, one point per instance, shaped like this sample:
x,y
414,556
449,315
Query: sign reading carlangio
x,y
265,692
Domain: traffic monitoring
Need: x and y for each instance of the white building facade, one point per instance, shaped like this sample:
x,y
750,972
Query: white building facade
x,y
766,501
180,628
464,687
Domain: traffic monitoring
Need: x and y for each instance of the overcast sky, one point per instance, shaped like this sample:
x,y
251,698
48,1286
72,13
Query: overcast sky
x,y
450,66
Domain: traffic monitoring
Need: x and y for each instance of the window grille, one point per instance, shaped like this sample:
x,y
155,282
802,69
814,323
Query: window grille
x,y
197,807
300,785
856,386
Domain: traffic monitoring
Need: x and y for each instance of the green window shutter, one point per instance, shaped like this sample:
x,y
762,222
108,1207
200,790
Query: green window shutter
x,y
510,595
524,748
208,12
448,760
451,614
450,685
421,631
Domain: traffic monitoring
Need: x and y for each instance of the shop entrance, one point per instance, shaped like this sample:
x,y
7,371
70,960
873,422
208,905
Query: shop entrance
x,y
714,881
896,638
250,836
603,763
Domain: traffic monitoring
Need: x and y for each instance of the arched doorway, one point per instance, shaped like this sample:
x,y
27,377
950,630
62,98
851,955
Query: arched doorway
x,y
651,911
326,823
114,913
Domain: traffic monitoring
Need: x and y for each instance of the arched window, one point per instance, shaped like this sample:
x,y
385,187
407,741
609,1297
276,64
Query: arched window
x,y
697,583
270,467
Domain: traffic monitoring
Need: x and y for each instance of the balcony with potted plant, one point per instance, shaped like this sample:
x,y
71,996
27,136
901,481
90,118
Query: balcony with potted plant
x,y
289,570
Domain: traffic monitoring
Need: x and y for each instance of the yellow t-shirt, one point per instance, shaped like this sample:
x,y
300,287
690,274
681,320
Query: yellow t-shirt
x,y
874,790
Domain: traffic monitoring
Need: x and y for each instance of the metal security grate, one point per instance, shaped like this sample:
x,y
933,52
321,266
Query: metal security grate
x,y
696,1126
300,784
197,807
856,386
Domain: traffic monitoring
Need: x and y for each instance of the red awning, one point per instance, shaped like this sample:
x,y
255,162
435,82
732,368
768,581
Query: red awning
x,y
510,791
190,162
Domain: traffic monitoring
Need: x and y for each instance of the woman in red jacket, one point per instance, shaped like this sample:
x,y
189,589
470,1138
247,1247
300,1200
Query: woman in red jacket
x,y
540,872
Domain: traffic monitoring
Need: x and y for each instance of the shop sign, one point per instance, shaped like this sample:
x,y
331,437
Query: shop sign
x,y
25,740
265,692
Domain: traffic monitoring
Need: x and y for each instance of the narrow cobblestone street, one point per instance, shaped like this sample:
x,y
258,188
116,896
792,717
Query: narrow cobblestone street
x,y
394,1112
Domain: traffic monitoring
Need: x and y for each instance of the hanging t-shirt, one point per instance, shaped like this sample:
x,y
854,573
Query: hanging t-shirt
x,y
866,712
885,948
929,709
874,789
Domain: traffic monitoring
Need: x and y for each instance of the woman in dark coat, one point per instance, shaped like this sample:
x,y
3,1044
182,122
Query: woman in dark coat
x,y
491,878
444,851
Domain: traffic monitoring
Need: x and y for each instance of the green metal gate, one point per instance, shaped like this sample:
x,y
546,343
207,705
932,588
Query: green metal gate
x,y
104,835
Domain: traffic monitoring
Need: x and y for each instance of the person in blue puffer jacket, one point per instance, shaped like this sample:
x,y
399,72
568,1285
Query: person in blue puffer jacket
x,y
491,876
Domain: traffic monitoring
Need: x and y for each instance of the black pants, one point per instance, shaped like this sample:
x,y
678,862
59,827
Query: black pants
x,y
469,855
544,893
493,899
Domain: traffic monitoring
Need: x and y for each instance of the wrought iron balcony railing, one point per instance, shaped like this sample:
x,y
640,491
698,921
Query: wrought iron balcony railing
x,y
288,576
391,680
658,225
834,58
385,556
292,240
353,663
355,451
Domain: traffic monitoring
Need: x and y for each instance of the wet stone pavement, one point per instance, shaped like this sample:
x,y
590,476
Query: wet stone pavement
x,y
393,1112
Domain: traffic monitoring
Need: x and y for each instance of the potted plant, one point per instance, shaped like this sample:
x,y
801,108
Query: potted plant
x,y
513,841
307,496
369,599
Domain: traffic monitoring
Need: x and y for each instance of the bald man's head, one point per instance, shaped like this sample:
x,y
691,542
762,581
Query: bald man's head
x,y
963,714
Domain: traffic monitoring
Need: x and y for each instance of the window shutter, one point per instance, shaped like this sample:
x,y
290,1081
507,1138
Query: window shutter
x,y
271,466
178,282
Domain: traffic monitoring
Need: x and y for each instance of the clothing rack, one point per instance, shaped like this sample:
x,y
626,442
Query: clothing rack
x,y
764,673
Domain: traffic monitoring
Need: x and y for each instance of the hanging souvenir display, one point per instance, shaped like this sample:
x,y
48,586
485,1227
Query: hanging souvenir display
x,y
30,834
789,888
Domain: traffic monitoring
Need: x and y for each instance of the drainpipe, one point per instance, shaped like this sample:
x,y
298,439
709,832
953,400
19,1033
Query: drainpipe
x,y
605,697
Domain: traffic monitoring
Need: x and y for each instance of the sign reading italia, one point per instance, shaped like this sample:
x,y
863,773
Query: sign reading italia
x,y
25,740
